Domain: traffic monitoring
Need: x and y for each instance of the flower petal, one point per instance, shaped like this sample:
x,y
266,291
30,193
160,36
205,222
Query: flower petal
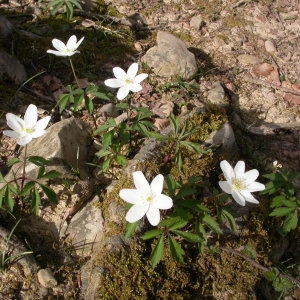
x,y
251,176
57,53
119,73
71,44
12,134
238,198
255,187
226,187
14,122
249,197
59,45
141,182
130,195
30,117
157,185
239,169
123,92
132,70
227,170
37,134
136,212
139,78
153,215
22,141
113,83
163,201
79,42
135,87
42,124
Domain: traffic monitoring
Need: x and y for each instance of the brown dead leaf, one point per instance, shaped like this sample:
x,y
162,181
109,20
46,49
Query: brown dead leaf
x,y
163,109
88,23
161,124
294,99
262,70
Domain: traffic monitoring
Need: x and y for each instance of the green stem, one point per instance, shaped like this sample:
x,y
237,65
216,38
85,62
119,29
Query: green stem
x,y
128,122
24,165
73,70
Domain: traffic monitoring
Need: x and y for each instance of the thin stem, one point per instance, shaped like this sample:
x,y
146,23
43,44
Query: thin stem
x,y
24,165
73,70
128,122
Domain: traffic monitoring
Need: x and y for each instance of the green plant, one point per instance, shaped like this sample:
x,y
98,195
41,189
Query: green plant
x,y
6,257
286,205
67,5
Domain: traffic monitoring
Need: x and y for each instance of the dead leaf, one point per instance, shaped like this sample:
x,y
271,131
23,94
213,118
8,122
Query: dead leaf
x,y
161,124
262,70
163,109
294,99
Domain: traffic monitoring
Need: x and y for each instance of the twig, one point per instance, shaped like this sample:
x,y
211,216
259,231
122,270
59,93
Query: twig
x,y
266,83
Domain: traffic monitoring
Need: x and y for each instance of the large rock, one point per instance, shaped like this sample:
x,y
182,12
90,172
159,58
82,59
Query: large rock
x,y
65,144
170,57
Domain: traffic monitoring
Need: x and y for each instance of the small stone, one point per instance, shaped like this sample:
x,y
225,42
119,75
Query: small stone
x,y
109,110
217,94
247,59
196,22
269,45
6,27
46,279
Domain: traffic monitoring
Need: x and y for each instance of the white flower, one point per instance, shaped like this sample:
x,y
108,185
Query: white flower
x,y
147,199
126,82
240,184
25,130
65,50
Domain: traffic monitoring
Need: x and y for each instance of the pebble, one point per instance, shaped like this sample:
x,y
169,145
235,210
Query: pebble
x,y
46,279
217,94
196,22
247,59
269,45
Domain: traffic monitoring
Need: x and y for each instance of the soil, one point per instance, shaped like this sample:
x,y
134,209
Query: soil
x,y
251,47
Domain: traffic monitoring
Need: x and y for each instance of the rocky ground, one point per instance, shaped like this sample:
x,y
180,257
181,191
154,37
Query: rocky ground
x,y
246,59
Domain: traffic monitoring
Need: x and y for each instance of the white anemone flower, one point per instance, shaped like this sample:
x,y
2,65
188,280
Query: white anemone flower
x,y
126,82
240,184
147,199
65,49
25,130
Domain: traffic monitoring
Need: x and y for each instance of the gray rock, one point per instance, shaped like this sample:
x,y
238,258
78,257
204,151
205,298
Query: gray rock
x,y
11,66
65,144
109,110
170,57
247,59
85,230
217,94
6,27
46,278
196,22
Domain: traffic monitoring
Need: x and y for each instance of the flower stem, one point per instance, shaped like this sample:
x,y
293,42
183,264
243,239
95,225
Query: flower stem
x,y
73,70
24,165
128,122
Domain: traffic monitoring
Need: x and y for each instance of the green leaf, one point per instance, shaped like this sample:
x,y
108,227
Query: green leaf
x,y
89,105
48,192
157,252
176,250
106,164
9,201
107,139
228,216
2,180
102,153
290,222
281,200
13,161
211,223
188,236
2,192
179,224
194,147
40,172
282,211
63,101
130,228
37,160
151,234
35,201
50,175
271,274
121,160
27,188
169,222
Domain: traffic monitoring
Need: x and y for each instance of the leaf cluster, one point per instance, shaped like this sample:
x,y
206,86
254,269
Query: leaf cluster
x,y
67,5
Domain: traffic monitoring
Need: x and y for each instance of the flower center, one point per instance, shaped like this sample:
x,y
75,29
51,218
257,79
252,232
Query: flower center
x,y
29,130
128,81
238,184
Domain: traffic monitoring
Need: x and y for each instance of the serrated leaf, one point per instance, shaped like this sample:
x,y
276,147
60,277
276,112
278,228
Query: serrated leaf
x,y
281,200
107,139
271,274
290,222
50,175
151,234
9,201
179,224
121,160
2,180
49,192
13,161
106,164
176,250
130,228
228,216
170,221
35,201
37,160
281,211
27,188
211,223
157,252
63,101
188,236
89,105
